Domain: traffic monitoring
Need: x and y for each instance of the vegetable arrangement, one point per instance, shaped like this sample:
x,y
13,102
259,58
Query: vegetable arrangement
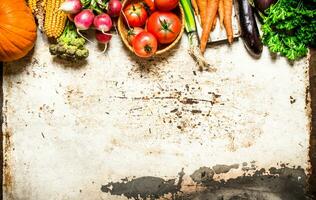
x,y
17,37
288,26
64,20
151,25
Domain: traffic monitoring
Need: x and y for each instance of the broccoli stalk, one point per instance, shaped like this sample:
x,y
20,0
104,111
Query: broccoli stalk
x,y
70,46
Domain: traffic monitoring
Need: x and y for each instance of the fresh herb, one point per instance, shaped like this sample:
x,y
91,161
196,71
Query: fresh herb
x,y
289,27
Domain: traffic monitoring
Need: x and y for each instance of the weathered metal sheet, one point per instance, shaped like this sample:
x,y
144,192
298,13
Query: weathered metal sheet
x,y
73,131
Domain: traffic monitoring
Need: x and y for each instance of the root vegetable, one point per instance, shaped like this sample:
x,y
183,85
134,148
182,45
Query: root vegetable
x,y
114,8
212,7
84,19
71,6
228,7
103,22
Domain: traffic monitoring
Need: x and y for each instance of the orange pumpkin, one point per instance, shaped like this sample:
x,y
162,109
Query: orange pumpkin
x,y
17,30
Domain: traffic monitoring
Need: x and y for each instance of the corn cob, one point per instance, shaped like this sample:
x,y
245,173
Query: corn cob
x,y
55,19
32,5
43,4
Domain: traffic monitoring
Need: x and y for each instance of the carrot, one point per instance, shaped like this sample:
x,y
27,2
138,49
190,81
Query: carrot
x,y
214,23
212,7
228,7
195,7
221,13
202,5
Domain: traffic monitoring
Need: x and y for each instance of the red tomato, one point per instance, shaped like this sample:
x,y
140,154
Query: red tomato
x,y
132,33
150,4
166,5
136,14
145,44
165,26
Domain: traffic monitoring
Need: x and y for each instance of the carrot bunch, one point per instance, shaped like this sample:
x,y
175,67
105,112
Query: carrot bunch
x,y
208,10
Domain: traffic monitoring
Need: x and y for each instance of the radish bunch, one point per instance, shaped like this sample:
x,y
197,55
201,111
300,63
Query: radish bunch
x,y
93,14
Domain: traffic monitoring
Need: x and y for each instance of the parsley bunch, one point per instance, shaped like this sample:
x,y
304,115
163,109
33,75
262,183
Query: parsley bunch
x,y
289,27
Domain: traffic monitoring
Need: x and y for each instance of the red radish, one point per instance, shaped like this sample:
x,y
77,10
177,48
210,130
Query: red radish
x,y
71,6
103,38
84,19
114,8
103,22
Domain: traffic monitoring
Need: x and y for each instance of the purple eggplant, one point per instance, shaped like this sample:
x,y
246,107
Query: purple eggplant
x,y
263,5
249,29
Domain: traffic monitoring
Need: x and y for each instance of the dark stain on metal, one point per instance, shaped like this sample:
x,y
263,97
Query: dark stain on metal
x,y
189,101
307,92
174,110
7,184
292,100
219,169
312,147
1,132
147,187
202,175
196,111
282,183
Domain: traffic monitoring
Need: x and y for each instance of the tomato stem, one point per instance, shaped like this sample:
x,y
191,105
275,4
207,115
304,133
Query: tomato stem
x,y
148,48
165,25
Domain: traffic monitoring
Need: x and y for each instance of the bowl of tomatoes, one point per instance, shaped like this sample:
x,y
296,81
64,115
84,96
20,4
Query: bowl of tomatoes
x,y
151,27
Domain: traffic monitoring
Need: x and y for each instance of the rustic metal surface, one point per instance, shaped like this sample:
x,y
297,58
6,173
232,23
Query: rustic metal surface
x,y
312,149
73,131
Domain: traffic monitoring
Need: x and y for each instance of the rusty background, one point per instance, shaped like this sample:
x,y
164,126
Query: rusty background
x,y
281,182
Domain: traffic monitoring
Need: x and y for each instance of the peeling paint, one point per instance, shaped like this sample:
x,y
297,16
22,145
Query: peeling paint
x,y
218,169
282,183
276,183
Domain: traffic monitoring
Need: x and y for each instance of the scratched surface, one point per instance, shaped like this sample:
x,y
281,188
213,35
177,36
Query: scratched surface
x,y
70,130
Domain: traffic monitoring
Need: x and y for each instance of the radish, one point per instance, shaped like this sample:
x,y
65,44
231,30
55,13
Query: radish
x,y
84,19
114,8
103,38
103,22
71,6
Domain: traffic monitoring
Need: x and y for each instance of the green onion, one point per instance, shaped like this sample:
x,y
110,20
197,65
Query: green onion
x,y
190,28
189,16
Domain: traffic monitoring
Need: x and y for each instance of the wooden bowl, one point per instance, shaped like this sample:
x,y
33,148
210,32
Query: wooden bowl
x,y
162,48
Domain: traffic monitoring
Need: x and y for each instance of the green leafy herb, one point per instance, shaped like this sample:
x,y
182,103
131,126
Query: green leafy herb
x,y
289,27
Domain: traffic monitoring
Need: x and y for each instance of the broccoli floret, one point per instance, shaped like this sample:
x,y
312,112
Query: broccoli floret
x,y
70,46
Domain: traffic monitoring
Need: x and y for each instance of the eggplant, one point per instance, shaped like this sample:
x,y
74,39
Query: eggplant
x,y
249,29
263,5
